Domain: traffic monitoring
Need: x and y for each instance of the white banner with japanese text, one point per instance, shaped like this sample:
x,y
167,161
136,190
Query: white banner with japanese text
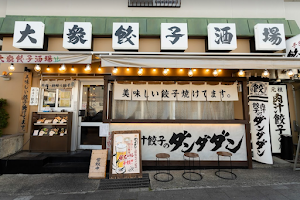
x,y
176,139
279,115
45,58
57,84
259,121
175,92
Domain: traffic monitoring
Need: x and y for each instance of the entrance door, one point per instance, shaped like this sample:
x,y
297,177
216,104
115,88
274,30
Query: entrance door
x,y
90,114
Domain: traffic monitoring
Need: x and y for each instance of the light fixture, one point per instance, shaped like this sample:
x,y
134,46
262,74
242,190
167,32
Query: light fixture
x,y
37,68
215,72
165,72
241,72
115,70
73,69
63,67
194,70
290,73
99,68
88,68
154,70
219,70
207,70
11,68
181,70
168,69
278,80
127,69
140,72
190,73
48,68
265,74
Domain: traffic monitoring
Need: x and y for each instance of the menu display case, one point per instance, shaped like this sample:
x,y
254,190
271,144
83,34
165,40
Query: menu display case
x,y
51,131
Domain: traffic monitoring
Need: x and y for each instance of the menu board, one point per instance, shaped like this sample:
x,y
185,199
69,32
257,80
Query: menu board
x,y
125,160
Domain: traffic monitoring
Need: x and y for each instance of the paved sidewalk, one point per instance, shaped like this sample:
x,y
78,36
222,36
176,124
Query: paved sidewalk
x,y
277,181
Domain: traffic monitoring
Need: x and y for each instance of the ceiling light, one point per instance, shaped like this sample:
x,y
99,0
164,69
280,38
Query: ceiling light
x,y
62,67
290,73
115,70
194,70
241,72
215,72
37,68
11,68
48,68
127,69
207,70
165,72
73,69
265,73
154,70
88,68
140,72
190,73
99,68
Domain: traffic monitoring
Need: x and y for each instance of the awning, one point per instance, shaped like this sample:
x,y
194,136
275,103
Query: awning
x,y
207,62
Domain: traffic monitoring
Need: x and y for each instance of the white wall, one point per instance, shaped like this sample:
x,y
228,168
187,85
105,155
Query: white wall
x,y
292,11
189,8
2,8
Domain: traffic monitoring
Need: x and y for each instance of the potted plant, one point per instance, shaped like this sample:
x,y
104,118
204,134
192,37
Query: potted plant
x,y
3,115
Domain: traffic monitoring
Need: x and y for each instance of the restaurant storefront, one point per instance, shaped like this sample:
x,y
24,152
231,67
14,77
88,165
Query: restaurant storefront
x,y
186,92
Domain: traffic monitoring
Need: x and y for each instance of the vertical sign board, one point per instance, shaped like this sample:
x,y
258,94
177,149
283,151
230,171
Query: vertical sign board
x,y
24,110
98,164
126,159
259,121
293,46
279,115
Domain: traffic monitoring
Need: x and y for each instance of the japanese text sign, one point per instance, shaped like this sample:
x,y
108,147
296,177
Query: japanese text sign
x,y
125,36
269,37
77,35
45,58
29,35
34,96
175,92
177,139
221,36
279,115
259,121
126,154
293,46
57,84
174,36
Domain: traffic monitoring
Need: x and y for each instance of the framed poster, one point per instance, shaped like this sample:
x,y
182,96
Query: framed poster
x,y
126,159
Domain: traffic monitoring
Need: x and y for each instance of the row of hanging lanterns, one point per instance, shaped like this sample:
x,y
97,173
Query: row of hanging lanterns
x,y
88,68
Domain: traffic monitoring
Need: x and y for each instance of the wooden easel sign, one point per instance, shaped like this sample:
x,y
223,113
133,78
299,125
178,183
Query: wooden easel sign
x,y
126,157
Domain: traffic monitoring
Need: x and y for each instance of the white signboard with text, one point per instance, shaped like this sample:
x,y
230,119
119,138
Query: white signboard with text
x,y
29,35
279,115
293,46
259,121
221,36
174,36
77,35
269,37
125,36
175,92
176,139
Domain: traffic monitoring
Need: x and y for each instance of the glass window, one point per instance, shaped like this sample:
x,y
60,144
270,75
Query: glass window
x,y
49,98
92,103
64,97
